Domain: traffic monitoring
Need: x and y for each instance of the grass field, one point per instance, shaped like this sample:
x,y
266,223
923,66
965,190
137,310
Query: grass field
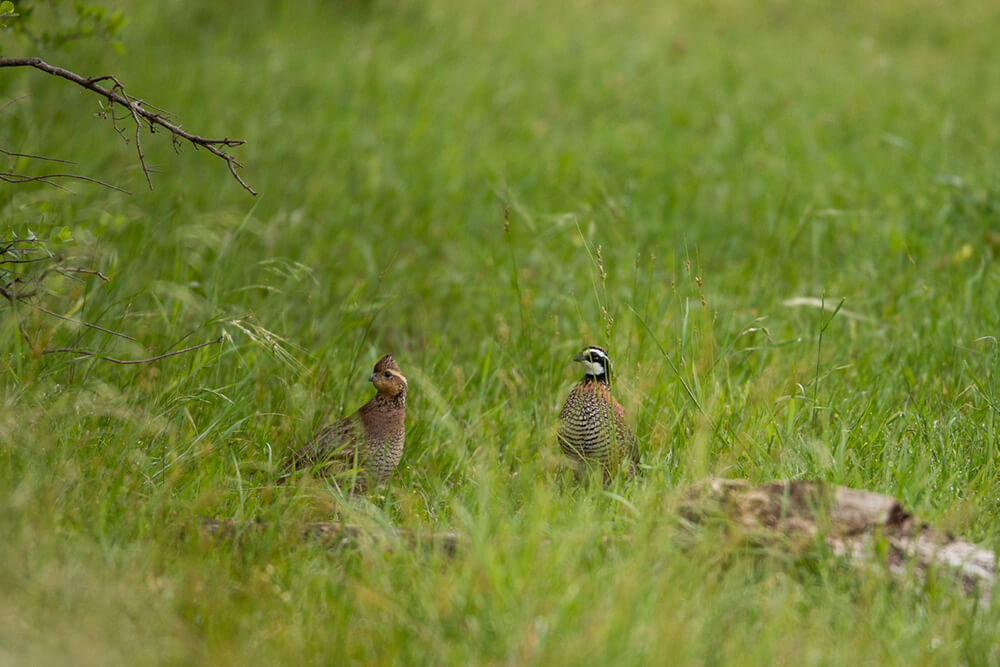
x,y
673,173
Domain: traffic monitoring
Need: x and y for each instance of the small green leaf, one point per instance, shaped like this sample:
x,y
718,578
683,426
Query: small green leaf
x,y
6,7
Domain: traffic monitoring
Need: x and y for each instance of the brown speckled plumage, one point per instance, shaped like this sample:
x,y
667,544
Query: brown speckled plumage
x,y
592,426
371,439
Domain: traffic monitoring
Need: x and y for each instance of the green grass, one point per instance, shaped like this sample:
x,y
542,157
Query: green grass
x,y
723,157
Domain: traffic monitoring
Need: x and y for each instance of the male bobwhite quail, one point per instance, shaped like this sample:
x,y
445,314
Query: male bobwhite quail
x,y
370,440
592,426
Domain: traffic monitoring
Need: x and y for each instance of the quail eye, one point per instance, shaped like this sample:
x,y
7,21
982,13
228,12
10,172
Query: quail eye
x,y
388,374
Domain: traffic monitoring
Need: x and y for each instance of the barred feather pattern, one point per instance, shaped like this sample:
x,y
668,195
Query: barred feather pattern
x,y
370,440
373,438
592,427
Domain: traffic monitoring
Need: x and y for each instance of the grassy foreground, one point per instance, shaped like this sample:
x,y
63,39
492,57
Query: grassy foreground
x,y
673,173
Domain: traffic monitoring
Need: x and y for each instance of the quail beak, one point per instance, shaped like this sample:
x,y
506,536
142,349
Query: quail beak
x,y
371,378
578,357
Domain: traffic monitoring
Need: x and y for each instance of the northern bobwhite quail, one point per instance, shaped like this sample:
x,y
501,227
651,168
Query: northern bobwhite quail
x,y
370,439
592,426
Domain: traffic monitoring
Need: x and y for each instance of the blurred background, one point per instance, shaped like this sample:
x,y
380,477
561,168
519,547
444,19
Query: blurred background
x,y
481,189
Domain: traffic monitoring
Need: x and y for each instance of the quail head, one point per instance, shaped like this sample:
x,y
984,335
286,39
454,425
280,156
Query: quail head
x,y
592,428
370,440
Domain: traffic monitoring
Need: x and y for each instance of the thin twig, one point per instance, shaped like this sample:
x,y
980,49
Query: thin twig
x,y
138,134
116,94
17,178
29,261
91,272
88,353
35,157
11,177
13,101
75,321
24,333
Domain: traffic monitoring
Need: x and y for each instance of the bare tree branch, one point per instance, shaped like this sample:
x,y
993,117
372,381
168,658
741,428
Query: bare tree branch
x,y
90,272
35,157
88,353
20,282
9,102
9,177
75,321
31,260
140,111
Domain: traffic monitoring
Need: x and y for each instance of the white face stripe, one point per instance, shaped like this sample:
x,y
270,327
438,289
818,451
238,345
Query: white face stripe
x,y
592,368
595,353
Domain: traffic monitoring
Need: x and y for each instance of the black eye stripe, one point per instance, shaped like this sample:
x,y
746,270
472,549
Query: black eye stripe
x,y
601,367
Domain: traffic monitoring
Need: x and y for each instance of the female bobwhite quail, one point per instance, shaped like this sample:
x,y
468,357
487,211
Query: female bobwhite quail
x,y
370,440
592,426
